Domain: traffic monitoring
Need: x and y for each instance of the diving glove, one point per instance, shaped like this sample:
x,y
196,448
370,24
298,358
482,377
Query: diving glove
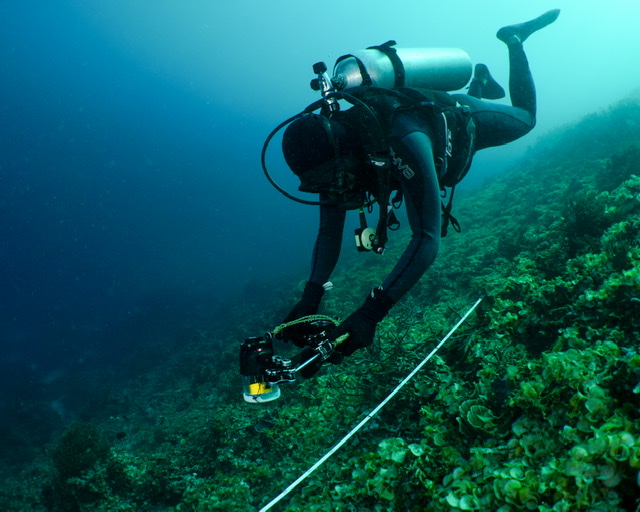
x,y
361,324
308,304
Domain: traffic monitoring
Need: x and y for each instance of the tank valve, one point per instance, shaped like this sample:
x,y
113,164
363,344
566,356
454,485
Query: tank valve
x,y
324,84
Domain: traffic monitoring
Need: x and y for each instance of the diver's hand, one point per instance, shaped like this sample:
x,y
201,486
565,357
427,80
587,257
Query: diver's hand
x,y
361,329
308,304
296,334
361,324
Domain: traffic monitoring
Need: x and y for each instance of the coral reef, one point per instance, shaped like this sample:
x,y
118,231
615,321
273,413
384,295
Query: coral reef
x,y
531,406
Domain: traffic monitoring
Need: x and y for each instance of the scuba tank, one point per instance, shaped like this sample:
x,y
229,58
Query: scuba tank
x,y
442,69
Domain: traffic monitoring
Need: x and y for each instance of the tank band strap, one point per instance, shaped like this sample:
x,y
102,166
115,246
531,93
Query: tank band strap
x,y
398,68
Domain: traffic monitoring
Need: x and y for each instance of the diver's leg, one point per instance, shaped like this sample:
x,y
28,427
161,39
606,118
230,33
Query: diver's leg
x,y
498,124
522,31
521,86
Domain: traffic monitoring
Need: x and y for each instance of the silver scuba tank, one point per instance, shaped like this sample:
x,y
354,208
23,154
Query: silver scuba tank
x,y
443,69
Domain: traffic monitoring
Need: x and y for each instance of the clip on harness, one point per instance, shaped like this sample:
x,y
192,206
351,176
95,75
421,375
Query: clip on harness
x,y
378,150
447,217
380,239
379,157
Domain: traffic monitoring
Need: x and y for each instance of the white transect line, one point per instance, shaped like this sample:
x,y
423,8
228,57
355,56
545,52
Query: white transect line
x,y
370,415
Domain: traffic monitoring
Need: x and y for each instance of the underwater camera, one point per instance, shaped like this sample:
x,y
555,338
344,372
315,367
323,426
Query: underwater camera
x,y
256,357
262,370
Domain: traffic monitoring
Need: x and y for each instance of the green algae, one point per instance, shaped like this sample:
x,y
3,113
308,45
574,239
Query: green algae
x,y
532,406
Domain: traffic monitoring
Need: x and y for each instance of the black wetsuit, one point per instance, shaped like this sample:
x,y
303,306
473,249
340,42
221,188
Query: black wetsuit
x,y
411,141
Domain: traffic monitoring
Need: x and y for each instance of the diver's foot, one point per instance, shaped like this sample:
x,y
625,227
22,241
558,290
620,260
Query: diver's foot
x,y
483,84
521,31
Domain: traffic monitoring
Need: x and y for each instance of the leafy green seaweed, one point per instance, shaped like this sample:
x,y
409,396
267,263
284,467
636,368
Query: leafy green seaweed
x,y
532,405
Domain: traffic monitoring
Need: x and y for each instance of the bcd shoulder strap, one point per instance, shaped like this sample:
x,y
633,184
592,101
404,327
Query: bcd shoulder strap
x,y
454,145
453,127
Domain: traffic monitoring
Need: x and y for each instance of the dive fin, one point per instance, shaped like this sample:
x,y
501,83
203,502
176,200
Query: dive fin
x,y
483,84
522,31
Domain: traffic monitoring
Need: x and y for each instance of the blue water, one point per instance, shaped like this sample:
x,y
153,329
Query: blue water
x,y
132,202
117,183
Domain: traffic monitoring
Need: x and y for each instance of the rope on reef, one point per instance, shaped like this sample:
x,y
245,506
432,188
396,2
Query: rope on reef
x,y
375,411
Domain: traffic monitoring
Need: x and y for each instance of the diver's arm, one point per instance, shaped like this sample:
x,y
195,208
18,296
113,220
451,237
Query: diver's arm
x,y
328,243
422,198
324,258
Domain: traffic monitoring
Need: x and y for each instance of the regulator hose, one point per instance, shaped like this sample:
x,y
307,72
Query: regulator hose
x,y
311,108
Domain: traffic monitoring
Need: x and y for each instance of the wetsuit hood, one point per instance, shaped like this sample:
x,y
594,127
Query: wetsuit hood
x,y
322,152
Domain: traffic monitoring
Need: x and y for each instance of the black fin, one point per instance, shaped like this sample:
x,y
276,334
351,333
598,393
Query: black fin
x,y
483,84
522,31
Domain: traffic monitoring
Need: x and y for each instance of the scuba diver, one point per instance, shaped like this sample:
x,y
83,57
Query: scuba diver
x,y
428,139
